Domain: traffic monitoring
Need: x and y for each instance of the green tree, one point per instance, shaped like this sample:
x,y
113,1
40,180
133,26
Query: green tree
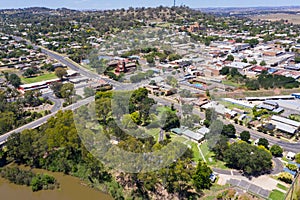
x,y
187,109
88,92
230,58
263,63
225,71
56,87
229,130
171,120
15,80
276,150
67,90
60,72
263,142
173,57
139,101
253,62
285,177
251,159
297,158
30,72
201,176
245,136
244,60
292,167
210,114
219,145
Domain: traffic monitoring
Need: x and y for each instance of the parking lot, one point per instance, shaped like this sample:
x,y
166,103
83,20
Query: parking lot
x,y
249,187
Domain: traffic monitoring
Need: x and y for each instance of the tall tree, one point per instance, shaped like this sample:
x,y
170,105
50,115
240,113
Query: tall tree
x,y
60,72
15,80
201,176
245,136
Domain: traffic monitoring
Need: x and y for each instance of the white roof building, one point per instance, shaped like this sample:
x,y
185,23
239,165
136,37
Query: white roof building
x,y
238,65
286,121
284,127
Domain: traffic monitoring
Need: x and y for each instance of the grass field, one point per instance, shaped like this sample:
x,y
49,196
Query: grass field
x,y
292,18
209,157
276,195
153,132
38,78
280,186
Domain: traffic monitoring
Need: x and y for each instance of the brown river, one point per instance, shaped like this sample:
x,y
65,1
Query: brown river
x,y
71,188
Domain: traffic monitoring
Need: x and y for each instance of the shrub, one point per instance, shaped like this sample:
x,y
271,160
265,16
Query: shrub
x,y
285,177
292,167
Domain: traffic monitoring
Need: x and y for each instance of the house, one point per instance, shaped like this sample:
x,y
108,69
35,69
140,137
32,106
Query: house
x,y
230,113
238,65
203,130
196,136
193,135
125,66
153,89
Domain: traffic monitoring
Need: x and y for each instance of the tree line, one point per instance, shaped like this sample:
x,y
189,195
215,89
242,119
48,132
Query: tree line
x,y
26,177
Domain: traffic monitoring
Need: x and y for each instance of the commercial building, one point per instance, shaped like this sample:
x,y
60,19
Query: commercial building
x,y
285,125
37,85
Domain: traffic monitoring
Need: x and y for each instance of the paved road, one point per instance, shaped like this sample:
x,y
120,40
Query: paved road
x,y
57,102
294,147
43,120
287,146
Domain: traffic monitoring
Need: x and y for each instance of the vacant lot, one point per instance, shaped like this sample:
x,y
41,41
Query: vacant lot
x,y
292,18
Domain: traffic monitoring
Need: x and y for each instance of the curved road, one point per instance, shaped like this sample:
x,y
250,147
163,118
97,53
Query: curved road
x,y
294,147
57,102
44,119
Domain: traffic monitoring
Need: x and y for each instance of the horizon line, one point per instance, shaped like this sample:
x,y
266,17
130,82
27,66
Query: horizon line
x,y
208,7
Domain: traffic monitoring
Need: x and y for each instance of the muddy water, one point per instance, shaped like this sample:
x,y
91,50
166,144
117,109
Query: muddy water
x,y
71,188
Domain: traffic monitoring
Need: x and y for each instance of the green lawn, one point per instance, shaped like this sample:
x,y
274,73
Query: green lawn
x,y
276,195
162,109
210,159
282,187
38,78
179,139
195,149
154,132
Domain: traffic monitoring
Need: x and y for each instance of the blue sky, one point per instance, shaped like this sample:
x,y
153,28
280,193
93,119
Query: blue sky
x,y
106,4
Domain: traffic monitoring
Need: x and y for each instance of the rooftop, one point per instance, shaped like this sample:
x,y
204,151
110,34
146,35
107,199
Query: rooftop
x,y
286,121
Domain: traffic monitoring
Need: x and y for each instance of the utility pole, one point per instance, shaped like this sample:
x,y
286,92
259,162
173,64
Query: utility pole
x,y
174,3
